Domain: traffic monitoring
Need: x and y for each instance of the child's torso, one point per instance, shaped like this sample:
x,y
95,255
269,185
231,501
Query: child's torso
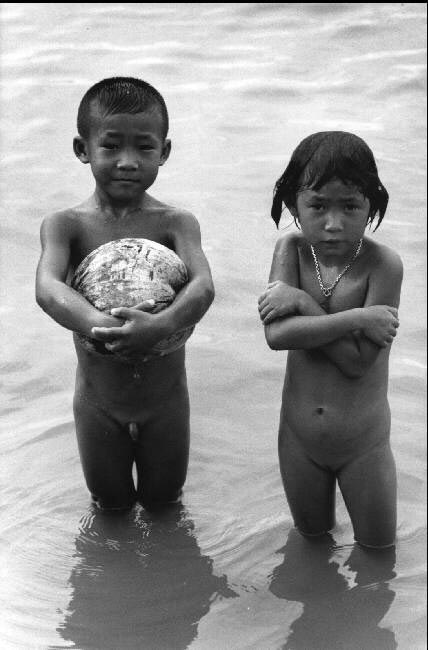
x,y
320,403
130,391
92,228
333,414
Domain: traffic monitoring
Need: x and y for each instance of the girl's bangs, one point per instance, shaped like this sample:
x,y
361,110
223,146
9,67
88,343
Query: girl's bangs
x,y
325,166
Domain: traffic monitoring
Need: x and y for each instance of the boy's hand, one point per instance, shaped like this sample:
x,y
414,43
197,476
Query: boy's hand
x,y
149,305
279,300
380,323
138,334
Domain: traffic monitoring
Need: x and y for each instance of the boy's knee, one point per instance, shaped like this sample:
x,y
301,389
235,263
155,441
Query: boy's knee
x,y
312,534
155,500
110,505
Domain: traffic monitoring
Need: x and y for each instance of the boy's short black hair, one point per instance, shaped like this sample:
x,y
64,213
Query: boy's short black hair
x,y
323,156
120,95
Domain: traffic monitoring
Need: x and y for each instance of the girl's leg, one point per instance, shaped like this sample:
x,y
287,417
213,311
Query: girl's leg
x,y
106,453
162,453
369,488
310,489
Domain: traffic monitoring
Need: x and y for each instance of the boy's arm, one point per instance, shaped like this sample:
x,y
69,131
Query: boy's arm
x,y
192,302
335,334
65,305
142,330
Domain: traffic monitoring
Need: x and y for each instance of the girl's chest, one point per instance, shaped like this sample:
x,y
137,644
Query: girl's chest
x,y
334,293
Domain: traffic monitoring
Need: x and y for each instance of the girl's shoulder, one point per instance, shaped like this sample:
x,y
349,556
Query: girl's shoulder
x,y
381,255
291,242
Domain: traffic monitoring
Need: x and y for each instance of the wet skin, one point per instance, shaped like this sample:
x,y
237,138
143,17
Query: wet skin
x,y
335,417
125,152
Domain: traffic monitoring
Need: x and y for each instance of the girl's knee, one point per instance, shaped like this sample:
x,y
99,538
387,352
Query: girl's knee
x,y
379,534
376,546
315,525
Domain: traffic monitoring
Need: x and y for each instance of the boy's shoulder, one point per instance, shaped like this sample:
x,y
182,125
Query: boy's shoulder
x,y
176,218
68,216
66,220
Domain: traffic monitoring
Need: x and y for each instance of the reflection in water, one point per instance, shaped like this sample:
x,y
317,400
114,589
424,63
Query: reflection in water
x,y
140,581
334,615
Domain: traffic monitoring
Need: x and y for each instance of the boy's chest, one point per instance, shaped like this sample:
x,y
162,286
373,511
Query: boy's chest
x,y
92,235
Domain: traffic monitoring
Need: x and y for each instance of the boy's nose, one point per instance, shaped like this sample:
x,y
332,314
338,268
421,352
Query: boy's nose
x,y
127,161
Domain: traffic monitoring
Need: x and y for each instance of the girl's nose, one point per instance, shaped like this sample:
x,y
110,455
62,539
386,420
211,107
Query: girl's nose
x,y
333,221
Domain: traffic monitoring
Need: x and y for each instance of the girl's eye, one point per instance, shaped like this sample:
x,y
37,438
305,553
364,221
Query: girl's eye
x,y
109,145
317,207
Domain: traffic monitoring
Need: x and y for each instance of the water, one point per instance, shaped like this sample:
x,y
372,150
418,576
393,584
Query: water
x,y
244,83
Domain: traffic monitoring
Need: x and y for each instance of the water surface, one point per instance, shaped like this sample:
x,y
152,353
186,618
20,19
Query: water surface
x,y
244,83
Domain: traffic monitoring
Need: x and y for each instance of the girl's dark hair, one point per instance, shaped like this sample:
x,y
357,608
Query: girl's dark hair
x,y
324,156
120,95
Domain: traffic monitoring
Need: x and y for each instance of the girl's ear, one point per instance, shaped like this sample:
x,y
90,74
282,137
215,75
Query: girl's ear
x,y
166,150
294,214
80,149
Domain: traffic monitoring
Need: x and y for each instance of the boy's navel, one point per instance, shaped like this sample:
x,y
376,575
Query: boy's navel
x,y
319,410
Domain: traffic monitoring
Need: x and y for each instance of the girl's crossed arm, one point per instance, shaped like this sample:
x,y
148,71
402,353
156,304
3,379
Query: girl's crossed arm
x,y
351,339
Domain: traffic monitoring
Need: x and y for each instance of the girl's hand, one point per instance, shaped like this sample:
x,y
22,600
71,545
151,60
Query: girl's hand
x,y
279,300
380,324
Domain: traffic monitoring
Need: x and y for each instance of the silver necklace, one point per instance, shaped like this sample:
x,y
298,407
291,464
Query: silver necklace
x,y
327,291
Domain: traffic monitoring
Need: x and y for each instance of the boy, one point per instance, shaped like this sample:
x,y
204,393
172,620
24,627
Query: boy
x,y
123,416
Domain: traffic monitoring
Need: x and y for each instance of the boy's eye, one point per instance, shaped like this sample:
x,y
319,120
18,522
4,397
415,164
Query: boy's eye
x,y
109,145
317,206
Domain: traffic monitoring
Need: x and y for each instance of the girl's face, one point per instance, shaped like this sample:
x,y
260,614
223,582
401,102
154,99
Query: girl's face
x,y
333,218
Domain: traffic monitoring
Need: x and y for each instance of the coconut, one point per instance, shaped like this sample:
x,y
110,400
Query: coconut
x,y
125,272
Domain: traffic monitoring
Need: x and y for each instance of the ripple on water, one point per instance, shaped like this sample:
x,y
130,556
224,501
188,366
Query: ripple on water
x,y
254,79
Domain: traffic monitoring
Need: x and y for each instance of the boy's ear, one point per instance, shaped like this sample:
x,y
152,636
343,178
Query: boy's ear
x,y
166,150
80,149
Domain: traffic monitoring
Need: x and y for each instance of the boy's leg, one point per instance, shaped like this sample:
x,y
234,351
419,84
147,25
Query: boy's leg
x,y
310,489
369,488
162,453
107,456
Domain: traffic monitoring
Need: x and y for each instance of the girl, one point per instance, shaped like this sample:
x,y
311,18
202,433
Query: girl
x,y
332,301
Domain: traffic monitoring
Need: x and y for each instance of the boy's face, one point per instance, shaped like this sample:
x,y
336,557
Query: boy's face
x,y
333,218
125,152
